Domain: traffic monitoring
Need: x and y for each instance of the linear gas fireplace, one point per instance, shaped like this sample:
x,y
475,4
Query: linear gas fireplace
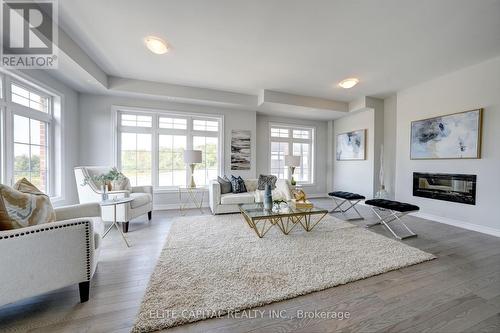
x,y
447,187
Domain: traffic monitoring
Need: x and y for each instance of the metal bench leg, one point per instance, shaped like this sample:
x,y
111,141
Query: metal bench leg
x,y
393,216
337,205
352,204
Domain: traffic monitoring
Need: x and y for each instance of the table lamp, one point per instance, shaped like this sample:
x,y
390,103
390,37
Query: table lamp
x,y
191,157
292,161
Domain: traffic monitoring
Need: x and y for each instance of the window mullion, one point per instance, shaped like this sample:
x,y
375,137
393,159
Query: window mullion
x,y
155,152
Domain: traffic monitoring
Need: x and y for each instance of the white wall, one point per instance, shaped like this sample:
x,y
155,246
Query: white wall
x,y
390,108
356,176
70,130
320,150
469,88
96,133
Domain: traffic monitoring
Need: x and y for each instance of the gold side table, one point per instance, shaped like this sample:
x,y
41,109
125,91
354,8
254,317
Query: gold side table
x,y
192,195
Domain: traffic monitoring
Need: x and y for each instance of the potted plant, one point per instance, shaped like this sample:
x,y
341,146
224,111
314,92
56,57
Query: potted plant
x,y
104,181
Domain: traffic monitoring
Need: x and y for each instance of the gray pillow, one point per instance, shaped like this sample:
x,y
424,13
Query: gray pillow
x,y
225,185
267,179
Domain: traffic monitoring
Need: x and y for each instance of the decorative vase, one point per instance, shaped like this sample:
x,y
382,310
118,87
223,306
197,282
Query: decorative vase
x,y
268,198
104,194
292,181
382,193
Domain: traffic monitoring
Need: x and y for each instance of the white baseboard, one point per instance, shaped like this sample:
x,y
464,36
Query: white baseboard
x,y
175,206
459,224
205,205
317,195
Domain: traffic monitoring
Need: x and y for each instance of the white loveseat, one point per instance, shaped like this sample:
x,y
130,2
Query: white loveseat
x,y
228,202
49,256
142,195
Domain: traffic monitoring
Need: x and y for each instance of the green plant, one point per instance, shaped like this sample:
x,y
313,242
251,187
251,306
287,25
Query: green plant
x,y
104,178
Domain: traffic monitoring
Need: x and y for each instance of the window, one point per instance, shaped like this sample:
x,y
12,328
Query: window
x,y
136,157
292,140
172,170
176,123
208,169
30,99
136,121
278,152
205,125
28,126
151,147
31,151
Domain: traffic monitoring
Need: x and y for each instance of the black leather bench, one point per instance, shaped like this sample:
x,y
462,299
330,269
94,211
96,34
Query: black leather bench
x,y
396,210
352,199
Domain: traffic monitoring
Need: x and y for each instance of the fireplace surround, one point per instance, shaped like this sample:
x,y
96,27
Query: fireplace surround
x,y
448,187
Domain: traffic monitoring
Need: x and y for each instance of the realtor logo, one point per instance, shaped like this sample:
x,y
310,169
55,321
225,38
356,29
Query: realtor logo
x,y
29,32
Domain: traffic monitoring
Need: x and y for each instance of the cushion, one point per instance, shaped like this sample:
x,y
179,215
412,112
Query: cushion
x,y
346,195
251,185
238,184
25,207
140,199
225,185
276,194
267,180
392,205
122,184
236,198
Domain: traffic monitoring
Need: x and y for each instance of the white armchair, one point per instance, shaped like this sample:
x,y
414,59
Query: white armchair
x,y
49,256
142,203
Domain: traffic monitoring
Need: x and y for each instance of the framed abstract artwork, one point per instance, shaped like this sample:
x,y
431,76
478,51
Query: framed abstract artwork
x,y
351,145
240,149
453,136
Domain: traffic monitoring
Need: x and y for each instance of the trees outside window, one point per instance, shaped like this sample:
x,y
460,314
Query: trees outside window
x,y
151,147
292,140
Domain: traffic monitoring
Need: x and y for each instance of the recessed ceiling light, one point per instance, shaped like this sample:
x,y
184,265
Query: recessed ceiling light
x,y
349,83
156,45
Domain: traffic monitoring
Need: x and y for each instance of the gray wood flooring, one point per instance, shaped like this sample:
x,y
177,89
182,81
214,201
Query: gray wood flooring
x,y
458,292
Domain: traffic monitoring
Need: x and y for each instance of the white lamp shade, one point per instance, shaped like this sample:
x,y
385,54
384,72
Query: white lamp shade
x,y
192,156
292,160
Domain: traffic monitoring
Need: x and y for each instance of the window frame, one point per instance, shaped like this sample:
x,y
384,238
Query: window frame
x,y
53,117
290,140
155,131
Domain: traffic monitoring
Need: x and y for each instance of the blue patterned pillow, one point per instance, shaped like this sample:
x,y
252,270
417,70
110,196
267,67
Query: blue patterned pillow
x,y
238,184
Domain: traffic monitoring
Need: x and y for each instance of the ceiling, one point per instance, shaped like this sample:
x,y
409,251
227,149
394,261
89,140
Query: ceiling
x,y
299,47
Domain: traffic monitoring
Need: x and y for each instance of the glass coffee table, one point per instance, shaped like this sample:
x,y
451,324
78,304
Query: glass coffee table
x,y
286,217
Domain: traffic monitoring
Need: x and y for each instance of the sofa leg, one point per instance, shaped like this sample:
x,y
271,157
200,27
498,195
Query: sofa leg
x,y
125,227
84,288
150,215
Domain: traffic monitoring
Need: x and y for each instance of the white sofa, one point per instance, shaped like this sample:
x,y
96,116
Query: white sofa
x,y
228,202
49,256
142,203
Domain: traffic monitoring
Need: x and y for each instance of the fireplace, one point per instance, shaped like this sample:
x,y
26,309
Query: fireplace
x,y
447,187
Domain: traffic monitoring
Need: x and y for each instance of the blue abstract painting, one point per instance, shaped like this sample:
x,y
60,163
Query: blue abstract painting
x,y
351,145
452,136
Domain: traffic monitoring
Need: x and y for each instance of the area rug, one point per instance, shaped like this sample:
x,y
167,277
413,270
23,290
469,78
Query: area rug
x,y
213,265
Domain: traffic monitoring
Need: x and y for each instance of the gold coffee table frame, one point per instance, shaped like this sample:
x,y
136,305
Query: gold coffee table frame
x,y
287,218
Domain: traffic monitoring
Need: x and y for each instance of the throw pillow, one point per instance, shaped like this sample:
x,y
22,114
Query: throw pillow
x,y
122,184
24,207
267,179
225,185
238,184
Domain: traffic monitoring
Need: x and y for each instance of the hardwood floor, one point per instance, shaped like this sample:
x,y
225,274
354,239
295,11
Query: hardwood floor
x,y
458,292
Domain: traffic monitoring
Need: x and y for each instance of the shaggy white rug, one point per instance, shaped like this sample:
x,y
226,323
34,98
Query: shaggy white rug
x,y
212,265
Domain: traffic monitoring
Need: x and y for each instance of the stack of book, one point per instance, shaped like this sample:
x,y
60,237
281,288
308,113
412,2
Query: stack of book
x,y
302,204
